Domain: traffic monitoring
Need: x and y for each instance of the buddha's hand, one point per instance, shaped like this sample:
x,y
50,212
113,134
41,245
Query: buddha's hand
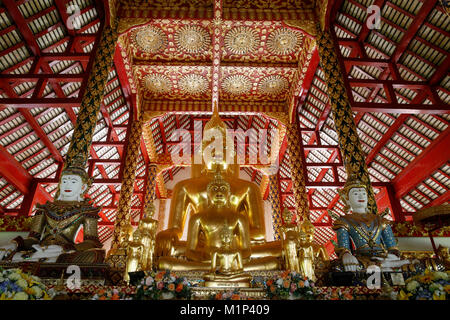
x,y
7,249
165,242
350,262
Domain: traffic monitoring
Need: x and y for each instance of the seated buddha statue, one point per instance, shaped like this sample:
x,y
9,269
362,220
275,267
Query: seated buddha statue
x,y
309,253
370,233
226,263
190,197
205,234
55,225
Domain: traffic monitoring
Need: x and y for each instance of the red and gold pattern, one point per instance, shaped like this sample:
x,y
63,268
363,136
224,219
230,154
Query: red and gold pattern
x,y
274,199
256,76
409,229
298,171
177,40
166,82
128,181
274,109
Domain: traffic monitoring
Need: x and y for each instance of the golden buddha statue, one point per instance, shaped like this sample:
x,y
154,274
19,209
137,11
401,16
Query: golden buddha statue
x,y
205,230
135,251
125,237
148,227
309,252
55,225
290,241
226,264
189,196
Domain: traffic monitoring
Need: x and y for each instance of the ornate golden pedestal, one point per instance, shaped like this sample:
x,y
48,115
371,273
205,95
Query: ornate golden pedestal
x,y
224,285
201,293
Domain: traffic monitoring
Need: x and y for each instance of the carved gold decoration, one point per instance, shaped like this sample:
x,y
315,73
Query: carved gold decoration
x,y
151,39
321,12
298,171
283,41
158,83
273,85
306,25
274,199
281,117
193,84
128,180
237,84
192,39
125,24
241,40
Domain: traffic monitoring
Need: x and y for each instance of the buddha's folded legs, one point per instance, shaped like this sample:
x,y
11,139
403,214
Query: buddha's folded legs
x,y
169,263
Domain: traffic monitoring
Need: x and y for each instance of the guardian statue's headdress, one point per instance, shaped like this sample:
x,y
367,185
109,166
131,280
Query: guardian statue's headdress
x,y
352,182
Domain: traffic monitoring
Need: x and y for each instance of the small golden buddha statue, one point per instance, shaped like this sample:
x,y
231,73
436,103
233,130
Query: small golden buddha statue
x,y
227,265
148,227
125,237
309,252
290,241
135,251
205,230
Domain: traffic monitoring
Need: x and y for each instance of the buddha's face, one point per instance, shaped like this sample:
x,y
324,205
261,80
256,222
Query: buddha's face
x,y
357,198
219,194
306,238
71,188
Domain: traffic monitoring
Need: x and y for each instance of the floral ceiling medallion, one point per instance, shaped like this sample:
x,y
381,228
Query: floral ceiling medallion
x,y
273,85
282,42
237,84
192,39
241,40
151,39
158,83
193,84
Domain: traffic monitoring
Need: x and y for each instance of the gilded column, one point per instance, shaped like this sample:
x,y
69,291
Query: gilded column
x,y
128,180
274,198
349,143
298,172
150,190
93,96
